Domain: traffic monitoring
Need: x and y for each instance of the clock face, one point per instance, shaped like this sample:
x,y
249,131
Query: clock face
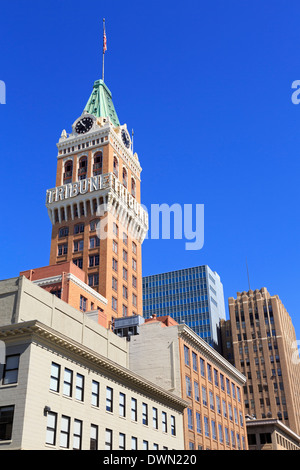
x,y
125,138
84,125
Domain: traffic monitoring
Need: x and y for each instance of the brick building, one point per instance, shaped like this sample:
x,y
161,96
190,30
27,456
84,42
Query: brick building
x,y
177,359
259,339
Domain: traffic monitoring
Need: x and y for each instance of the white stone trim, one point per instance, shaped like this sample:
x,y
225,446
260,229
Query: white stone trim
x,y
70,277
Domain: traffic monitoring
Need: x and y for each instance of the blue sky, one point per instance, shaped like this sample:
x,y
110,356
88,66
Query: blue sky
x,y
206,86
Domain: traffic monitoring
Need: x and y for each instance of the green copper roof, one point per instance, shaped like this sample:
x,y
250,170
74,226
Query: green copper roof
x,y
100,103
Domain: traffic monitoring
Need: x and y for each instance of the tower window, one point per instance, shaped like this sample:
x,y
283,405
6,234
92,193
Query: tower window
x,y
124,176
82,169
116,167
97,167
133,187
63,232
83,302
68,171
62,249
79,228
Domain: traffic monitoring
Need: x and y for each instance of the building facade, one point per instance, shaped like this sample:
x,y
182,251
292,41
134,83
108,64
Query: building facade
x,y
193,296
65,382
270,434
262,345
177,359
98,222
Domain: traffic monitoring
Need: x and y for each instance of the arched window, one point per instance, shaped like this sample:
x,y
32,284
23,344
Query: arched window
x,y
97,166
116,167
133,187
82,168
124,176
68,171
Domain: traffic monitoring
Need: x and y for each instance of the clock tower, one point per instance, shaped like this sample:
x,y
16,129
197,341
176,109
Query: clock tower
x,y
98,222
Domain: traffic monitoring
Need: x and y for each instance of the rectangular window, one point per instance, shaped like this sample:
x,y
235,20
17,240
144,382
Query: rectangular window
x,y
125,238
114,283
82,304
188,386
195,363
211,400
154,418
133,264
124,310
125,256
216,377
145,414
213,429
68,382
206,426
93,261
115,229
198,422
78,245
125,292
108,439
62,249
134,281
134,300
173,426
190,418
220,433
109,399
55,377
95,393
115,246
77,434
186,356
51,428
209,372
121,441
114,303
145,445
202,367
94,242
204,397
125,274
196,391
228,386
11,369
122,405
164,421
133,409
222,381
79,228
79,387
133,443
64,431
94,437
134,248
115,264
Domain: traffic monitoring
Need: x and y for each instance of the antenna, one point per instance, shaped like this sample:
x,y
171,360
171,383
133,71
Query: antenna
x,y
132,134
104,48
248,273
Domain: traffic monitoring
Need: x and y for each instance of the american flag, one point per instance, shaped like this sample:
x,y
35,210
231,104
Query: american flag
x,y
104,39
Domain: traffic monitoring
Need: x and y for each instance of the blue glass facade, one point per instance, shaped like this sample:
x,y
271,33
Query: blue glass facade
x,y
193,296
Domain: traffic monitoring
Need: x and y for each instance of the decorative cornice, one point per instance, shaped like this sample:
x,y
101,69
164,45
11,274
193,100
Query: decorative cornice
x,y
187,333
40,330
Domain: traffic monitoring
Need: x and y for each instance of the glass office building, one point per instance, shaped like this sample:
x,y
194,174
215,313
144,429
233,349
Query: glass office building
x,y
193,296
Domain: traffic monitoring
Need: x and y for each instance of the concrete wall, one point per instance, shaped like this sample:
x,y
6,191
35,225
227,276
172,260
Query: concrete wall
x,y
21,300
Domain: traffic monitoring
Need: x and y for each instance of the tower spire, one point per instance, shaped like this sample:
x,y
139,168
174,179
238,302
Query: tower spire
x,y
104,48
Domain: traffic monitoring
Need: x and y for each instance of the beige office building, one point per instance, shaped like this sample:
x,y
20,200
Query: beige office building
x,y
259,339
65,381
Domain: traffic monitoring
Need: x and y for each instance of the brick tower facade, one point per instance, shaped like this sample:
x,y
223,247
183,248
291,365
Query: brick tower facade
x,y
98,222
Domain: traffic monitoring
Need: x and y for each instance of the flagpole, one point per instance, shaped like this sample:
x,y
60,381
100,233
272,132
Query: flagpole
x,y
103,52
